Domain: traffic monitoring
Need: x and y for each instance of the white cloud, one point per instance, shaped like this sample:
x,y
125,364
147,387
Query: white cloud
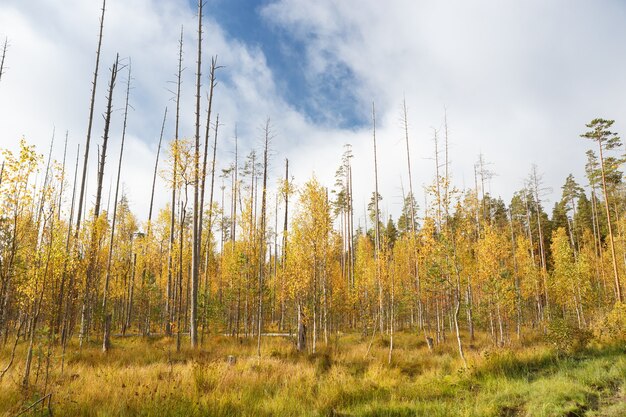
x,y
519,81
51,61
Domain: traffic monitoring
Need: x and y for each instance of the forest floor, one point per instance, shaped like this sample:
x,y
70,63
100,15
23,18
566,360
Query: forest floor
x,y
147,377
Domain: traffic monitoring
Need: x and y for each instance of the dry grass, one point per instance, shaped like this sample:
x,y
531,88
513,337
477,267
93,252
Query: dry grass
x,y
147,377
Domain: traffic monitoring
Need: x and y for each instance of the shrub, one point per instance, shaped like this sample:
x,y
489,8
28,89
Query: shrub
x,y
611,327
567,337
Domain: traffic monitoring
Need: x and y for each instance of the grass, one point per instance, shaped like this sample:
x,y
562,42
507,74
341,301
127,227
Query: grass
x,y
146,377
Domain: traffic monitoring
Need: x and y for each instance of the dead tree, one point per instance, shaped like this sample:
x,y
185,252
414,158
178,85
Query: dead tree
x,y
70,288
405,121
170,302
89,276
377,225
233,214
56,318
210,227
90,123
156,167
195,257
146,329
107,316
204,164
44,221
284,257
262,237
4,54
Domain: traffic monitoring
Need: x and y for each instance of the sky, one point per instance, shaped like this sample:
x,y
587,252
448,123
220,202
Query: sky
x,y
517,81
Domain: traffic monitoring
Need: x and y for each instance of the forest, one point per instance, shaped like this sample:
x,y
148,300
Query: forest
x,y
234,300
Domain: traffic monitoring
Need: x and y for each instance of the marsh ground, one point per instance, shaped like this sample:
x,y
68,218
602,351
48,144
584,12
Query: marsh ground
x,y
147,377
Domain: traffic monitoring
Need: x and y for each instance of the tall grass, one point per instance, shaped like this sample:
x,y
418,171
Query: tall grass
x,y
147,377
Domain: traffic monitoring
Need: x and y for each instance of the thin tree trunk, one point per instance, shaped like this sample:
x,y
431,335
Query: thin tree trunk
x,y
131,292
107,319
4,54
179,292
284,254
377,226
156,167
90,123
195,253
70,291
210,227
204,163
262,237
518,296
170,302
618,289
301,345
85,322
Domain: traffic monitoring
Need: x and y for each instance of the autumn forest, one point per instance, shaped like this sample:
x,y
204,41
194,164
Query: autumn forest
x,y
253,294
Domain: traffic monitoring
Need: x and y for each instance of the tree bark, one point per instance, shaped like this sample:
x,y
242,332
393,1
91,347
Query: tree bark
x,y
195,252
170,302
105,342
90,123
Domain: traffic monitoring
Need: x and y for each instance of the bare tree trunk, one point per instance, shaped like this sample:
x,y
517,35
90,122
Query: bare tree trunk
x,y
156,167
301,345
210,228
90,123
534,181
195,257
391,313
377,226
107,319
17,339
206,150
85,322
518,296
38,302
234,193
56,317
179,292
170,302
412,208
70,291
4,54
131,292
262,238
618,288
146,296
284,254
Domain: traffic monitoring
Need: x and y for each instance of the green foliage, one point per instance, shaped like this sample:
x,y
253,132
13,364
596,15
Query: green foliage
x,y
611,328
567,338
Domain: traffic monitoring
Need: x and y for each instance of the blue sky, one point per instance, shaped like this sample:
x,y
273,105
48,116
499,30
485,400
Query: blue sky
x,y
518,80
327,101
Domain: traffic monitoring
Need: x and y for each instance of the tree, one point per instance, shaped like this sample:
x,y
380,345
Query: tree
x,y
408,220
308,242
195,259
599,132
266,137
174,153
204,163
107,316
5,46
97,228
571,193
90,123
